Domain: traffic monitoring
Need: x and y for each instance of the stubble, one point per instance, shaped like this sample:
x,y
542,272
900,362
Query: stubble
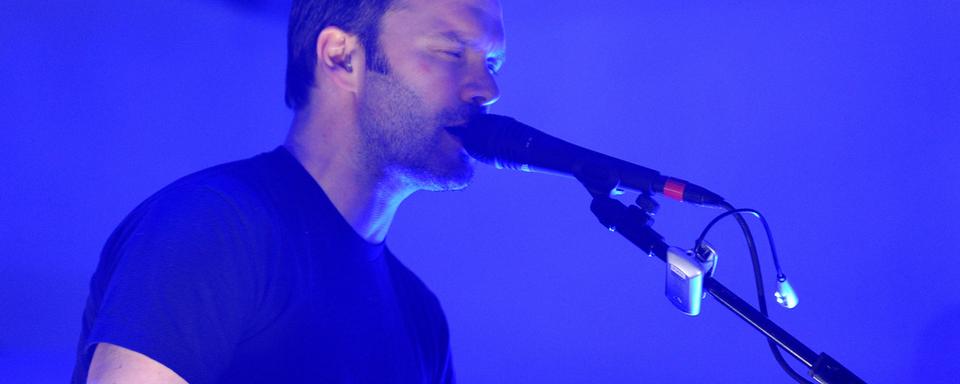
x,y
402,139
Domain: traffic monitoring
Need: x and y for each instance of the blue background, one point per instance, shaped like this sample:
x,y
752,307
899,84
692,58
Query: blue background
x,y
838,120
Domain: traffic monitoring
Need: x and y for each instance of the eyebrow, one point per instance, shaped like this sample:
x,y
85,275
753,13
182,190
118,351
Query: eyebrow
x,y
456,37
452,36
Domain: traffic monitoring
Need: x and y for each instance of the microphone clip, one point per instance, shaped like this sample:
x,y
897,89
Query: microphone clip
x,y
686,271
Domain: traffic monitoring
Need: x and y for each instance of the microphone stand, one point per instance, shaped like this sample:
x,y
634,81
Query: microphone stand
x,y
634,223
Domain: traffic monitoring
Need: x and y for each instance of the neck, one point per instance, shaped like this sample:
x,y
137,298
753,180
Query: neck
x,y
367,198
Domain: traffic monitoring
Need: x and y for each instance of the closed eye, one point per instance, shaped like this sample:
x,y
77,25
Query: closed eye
x,y
452,54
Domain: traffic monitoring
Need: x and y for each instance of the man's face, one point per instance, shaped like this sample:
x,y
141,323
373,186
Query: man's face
x,y
442,55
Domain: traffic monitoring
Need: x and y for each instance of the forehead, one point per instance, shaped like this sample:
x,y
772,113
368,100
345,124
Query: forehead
x,y
477,22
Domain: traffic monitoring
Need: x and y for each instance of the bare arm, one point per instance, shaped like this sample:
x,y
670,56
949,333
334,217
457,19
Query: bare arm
x,y
115,364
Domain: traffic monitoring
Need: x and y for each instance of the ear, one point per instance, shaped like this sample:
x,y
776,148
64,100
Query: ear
x,y
340,58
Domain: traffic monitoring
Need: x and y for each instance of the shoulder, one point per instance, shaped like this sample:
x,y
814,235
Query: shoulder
x,y
231,182
178,276
216,211
236,191
211,212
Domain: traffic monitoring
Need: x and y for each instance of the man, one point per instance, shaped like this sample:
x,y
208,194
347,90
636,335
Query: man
x,y
273,269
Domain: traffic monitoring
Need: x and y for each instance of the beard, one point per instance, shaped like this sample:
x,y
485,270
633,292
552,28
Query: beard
x,y
402,138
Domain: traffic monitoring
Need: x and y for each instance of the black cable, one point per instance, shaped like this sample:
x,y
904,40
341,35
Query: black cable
x,y
766,227
758,278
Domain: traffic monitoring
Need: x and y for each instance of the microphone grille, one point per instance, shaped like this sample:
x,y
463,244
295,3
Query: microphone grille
x,y
495,140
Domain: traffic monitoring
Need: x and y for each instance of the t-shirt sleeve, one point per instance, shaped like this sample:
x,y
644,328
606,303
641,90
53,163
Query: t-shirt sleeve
x,y
182,283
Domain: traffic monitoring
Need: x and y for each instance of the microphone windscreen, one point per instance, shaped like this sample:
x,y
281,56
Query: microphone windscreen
x,y
495,140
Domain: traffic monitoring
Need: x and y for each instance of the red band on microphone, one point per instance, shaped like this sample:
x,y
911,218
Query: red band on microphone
x,y
674,189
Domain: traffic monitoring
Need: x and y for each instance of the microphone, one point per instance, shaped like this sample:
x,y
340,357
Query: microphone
x,y
506,143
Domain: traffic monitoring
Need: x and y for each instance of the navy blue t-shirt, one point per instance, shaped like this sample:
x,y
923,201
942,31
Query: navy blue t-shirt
x,y
246,272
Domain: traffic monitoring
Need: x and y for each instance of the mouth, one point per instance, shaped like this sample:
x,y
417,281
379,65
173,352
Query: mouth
x,y
456,130
459,142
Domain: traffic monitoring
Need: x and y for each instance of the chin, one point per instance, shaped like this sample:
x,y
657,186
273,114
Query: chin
x,y
451,182
450,178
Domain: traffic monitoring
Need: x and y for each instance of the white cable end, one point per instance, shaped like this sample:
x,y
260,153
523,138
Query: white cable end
x,y
785,294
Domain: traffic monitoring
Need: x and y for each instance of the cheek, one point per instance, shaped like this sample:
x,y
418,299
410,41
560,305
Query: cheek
x,y
424,65
423,68
437,81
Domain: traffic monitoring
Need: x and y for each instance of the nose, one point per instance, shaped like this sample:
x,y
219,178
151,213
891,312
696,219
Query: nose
x,y
481,89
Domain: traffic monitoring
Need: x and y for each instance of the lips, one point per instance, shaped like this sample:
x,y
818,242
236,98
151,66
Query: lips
x,y
459,123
